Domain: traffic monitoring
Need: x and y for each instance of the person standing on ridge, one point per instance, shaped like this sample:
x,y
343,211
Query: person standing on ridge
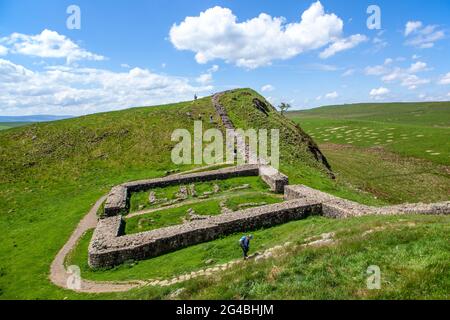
x,y
244,242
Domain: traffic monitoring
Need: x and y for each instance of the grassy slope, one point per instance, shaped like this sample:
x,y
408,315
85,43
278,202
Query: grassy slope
x,y
419,113
397,152
416,127
51,173
295,159
7,125
413,253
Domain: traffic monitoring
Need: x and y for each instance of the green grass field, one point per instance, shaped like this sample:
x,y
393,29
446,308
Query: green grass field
x,y
52,173
169,217
233,193
8,125
139,200
413,253
397,152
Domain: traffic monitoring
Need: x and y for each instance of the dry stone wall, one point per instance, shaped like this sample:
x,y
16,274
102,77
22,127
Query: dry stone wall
x,y
335,207
109,247
274,179
118,199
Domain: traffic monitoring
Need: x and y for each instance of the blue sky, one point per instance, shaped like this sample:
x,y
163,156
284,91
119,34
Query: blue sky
x,y
148,52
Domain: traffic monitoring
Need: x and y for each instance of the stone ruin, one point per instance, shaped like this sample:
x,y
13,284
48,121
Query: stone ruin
x,y
110,246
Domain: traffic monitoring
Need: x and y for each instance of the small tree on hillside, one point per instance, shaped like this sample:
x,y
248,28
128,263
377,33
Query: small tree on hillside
x,y
284,107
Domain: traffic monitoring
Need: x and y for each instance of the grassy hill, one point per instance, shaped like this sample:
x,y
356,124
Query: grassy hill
x,y
420,130
397,151
7,125
420,113
52,173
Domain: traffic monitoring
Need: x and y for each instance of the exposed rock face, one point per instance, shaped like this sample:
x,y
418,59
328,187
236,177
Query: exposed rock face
x,y
314,149
261,106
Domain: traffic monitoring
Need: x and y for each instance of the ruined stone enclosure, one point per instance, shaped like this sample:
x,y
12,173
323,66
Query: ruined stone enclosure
x,y
110,246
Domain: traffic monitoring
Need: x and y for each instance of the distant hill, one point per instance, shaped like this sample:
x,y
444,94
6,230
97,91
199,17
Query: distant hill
x,y
7,125
417,113
35,118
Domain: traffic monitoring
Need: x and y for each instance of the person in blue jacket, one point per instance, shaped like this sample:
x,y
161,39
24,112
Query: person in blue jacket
x,y
245,244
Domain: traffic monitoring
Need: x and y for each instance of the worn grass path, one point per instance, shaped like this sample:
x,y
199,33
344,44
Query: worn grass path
x,y
59,274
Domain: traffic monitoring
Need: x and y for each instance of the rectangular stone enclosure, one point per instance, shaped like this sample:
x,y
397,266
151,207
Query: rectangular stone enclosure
x,y
110,247
119,197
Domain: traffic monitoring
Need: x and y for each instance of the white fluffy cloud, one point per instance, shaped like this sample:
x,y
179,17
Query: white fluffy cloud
x,y
412,26
405,76
379,92
342,44
69,90
205,78
348,73
48,44
214,68
267,88
3,50
419,66
332,95
217,34
413,81
445,79
380,69
422,36
376,70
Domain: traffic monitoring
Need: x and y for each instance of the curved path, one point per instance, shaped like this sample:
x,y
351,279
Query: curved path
x,y
58,273
60,276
